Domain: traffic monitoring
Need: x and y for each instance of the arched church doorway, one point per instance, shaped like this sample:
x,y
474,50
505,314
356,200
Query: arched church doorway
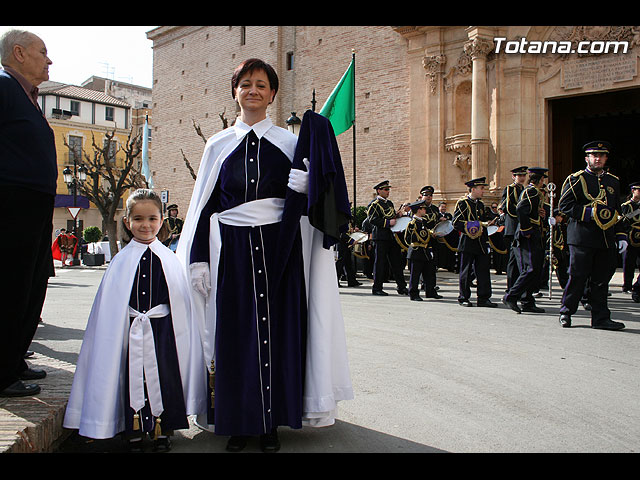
x,y
613,116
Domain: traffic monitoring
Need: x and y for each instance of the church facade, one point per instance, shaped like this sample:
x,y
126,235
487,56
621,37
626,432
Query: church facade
x,y
435,105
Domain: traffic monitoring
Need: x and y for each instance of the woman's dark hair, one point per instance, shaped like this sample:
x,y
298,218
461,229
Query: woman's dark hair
x,y
251,65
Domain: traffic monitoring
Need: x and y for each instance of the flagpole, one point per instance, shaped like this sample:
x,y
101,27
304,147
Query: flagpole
x,y
353,59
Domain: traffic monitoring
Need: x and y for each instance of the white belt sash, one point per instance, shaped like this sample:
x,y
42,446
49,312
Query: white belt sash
x,y
250,214
142,360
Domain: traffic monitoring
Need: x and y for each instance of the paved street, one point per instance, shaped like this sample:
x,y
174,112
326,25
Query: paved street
x,y
434,376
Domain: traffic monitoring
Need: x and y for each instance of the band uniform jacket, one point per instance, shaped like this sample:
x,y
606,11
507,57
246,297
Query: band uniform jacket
x,y
510,196
632,223
585,196
417,236
380,213
528,210
470,210
174,226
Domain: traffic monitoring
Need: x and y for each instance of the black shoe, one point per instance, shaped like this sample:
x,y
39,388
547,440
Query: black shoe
x,y
382,293
135,445
565,320
487,303
32,374
162,444
512,305
354,284
635,297
434,295
236,443
416,298
269,442
30,353
608,325
465,303
587,306
19,389
403,291
532,309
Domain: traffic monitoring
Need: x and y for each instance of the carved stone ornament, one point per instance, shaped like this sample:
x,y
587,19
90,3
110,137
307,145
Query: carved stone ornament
x,y
465,64
434,66
478,47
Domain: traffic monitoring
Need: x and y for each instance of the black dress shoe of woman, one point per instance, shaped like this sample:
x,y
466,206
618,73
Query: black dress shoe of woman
x,y
236,443
269,442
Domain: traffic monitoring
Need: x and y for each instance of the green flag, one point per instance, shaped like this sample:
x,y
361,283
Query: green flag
x,y
340,107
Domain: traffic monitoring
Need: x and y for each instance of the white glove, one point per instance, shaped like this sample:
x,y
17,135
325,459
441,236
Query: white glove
x,y
552,221
200,278
622,246
299,179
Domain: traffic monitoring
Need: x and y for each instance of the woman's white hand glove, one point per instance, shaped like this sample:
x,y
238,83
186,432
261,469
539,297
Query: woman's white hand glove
x,y
200,278
299,179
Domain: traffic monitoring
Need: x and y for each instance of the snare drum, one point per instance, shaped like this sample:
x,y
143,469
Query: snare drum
x,y
401,224
443,228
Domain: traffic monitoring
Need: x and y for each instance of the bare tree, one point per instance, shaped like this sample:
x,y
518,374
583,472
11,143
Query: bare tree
x,y
196,126
109,180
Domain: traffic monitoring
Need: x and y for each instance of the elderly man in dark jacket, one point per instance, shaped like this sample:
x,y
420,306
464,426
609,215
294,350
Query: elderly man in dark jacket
x,y
28,177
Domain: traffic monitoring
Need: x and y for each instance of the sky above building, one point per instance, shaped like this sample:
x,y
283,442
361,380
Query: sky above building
x,y
78,52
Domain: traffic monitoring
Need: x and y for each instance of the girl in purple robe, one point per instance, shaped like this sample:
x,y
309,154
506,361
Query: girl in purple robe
x,y
134,369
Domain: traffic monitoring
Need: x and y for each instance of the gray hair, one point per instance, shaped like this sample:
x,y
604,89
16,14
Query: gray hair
x,y
12,38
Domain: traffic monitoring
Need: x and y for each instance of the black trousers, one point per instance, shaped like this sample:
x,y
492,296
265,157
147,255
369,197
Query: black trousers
x,y
345,263
629,264
597,266
529,254
562,266
27,263
513,272
388,250
478,264
427,270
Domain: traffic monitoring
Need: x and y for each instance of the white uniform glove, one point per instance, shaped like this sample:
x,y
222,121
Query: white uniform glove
x,y
200,278
299,179
622,246
552,221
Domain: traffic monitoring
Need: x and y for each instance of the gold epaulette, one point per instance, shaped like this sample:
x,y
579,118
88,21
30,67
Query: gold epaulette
x,y
617,178
578,173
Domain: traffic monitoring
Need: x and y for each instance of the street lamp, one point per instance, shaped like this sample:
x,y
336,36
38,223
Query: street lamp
x,y
293,123
74,178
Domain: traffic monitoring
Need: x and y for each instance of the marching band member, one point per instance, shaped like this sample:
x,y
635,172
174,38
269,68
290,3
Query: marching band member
x,y
528,246
382,216
560,255
421,255
510,196
591,200
431,216
633,249
473,248
174,225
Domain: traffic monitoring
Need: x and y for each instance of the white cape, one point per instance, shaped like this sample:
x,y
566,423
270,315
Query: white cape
x,y
327,377
96,403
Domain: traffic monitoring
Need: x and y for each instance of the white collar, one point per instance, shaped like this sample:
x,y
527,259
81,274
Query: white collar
x,y
259,128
